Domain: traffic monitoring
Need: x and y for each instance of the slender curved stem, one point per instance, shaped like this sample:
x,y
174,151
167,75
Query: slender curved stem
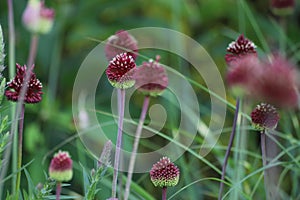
x,y
231,139
135,146
264,161
32,51
121,105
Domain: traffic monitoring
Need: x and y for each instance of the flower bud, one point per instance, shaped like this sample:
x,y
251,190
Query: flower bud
x,y
61,167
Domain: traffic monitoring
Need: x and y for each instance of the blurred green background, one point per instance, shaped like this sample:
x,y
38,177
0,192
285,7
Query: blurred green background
x,y
212,23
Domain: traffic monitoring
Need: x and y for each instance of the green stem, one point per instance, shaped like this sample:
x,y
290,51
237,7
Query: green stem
x,y
121,105
19,163
135,146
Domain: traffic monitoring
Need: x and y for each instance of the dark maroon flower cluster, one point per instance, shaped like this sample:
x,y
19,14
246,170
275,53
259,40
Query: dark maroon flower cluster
x,y
34,90
164,173
151,78
119,43
120,71
264,116
236,49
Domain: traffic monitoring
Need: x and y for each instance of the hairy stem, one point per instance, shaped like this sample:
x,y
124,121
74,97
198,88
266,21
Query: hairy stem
x,y
135,146
121,105
231,139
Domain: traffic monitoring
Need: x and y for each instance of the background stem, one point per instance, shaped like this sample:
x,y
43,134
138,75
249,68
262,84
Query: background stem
x,y
121,105
264,161
20,142
135,146
231,139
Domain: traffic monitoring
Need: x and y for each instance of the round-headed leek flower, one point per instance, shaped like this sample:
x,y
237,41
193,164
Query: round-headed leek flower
x,y
34,87
151,78
121,42
60,168
238,48
264,116
37,18
164,173
283,7
277,83
120,71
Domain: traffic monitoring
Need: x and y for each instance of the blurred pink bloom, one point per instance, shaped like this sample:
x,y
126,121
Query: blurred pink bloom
x,y
151,78
283,7
236,49
264,116
37,18
277,83
121,42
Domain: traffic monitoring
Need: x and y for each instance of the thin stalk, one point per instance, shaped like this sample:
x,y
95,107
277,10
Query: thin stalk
x,y
121,105
135,146
58,190
264,161
32,52
20,142
231,139
164,193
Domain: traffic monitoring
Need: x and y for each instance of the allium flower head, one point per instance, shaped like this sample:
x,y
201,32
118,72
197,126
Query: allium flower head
x,y
277,83
120,71
60,168
164,173
283,7
121,42
264,116
236,49
34,87
151,78
37,18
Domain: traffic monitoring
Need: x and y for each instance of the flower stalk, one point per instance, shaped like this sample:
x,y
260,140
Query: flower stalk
x,y
135,146
58,190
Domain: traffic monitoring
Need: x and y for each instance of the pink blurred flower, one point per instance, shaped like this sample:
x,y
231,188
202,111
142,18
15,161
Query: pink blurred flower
x,y
151,78
277,83
14,87
37,18
283,7
121,42
238,48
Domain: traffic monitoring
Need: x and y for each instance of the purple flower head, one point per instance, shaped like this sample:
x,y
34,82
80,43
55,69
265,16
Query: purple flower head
x,y
34,90
283,7
151,78
121,42
236,49
120,71
37,18
264,116
164,173
277,83
60,168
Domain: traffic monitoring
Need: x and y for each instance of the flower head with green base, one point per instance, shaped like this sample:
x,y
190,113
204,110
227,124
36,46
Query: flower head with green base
x,y
61,167
164,173
120,71
264,116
